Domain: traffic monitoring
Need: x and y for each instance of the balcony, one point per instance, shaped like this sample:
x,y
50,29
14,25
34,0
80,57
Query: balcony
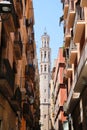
x,y
18,6
82,71
79,27
72,52
25,108
18,48
71,14
16,100
6,78
30,45
83,3
66,6
67,38
72,98
29,22
29,93
30,71
64,77
27,112
18,45
80,82
12,20
68,70
15,67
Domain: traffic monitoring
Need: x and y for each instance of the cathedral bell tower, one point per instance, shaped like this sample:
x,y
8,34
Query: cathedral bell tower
x,y
45,76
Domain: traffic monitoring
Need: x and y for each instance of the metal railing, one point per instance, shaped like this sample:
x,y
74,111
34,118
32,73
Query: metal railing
x,y
78,17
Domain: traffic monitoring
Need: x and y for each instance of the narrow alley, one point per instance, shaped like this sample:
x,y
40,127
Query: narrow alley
x,y
43,91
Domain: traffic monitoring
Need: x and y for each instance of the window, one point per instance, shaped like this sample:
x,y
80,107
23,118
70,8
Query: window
x,y
44,43
45,68
45,54
44,100
41,68
44,90
45,116
47,43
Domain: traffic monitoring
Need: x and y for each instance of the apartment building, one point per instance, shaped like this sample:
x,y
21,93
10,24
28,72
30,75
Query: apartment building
x,y
52,106
19,106
75,52
60,93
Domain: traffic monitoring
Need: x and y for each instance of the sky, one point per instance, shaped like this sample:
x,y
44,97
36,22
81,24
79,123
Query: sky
x,y
47,14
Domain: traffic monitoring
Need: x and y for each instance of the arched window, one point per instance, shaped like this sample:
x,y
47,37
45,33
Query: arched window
x,y
45,43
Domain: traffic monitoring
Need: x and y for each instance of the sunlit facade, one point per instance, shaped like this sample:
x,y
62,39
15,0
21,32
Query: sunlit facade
x,y
45,75
19,76
59,93
75,52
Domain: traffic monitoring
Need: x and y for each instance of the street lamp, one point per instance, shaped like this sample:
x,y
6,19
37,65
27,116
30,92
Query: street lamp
x,y
5,8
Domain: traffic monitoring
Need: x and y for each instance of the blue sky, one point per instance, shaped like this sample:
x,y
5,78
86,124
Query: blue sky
x,y
47,14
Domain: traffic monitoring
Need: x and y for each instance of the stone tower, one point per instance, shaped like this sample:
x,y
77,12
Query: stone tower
x,y
45,76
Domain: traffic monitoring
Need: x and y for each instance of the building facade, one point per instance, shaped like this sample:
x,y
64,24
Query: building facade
x,y
52,96
60,93
45,75
19,107
75,52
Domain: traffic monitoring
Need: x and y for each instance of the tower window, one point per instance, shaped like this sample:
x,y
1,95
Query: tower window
x,y
44,90
45,68
44,100
45,116
45,44
42,43
45,54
